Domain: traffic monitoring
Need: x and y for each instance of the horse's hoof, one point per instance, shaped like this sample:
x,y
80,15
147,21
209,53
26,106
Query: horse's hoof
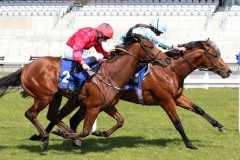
x,y
192,147
58,132
100,134
71,135
96,133
44,145
223,129
35,137
77,143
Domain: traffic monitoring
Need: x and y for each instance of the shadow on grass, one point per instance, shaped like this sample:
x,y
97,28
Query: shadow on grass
x,y
102,144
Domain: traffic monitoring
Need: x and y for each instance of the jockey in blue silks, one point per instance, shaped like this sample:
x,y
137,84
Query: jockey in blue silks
x,y
152,32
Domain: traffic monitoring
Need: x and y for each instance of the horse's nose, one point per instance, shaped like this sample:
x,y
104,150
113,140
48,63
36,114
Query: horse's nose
x,y
229,71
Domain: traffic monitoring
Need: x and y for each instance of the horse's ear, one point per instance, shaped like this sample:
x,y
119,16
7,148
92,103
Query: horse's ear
x,y
208,41
137,37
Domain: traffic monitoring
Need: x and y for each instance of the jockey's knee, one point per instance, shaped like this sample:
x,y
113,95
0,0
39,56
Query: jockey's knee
x,y
99,56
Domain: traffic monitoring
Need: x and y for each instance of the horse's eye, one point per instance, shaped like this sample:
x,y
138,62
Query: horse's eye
x,y
151,47
215,55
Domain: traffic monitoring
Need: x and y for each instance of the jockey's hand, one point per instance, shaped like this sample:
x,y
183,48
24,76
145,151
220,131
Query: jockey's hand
x,y
85,67
179,48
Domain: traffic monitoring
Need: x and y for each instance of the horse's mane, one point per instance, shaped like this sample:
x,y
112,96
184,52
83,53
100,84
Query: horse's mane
x,y
129,41
188,46
192,44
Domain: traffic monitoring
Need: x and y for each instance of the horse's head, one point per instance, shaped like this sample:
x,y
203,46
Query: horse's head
x,y
214,61
210,57
144,50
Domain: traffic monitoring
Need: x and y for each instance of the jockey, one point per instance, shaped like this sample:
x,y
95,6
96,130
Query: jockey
x,y
78,45
152,32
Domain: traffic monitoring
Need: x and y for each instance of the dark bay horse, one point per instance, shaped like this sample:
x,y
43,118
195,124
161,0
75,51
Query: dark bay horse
x,y
39,79
164,87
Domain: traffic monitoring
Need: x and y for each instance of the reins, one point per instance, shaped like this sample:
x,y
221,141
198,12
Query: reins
x,y
191,64
200,68
152,58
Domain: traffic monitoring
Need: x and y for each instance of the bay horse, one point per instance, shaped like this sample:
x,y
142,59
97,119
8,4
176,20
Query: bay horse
x,y
39,79
164,87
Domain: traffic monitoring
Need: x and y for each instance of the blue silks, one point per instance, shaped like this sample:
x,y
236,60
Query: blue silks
x,y
238,58
134,86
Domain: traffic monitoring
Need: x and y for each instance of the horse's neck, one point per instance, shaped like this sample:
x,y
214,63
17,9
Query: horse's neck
x,y
187,64
120,70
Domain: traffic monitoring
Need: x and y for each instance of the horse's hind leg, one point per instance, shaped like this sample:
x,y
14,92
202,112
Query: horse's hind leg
x,y
64,111
185,103
32,114
170,109
113,112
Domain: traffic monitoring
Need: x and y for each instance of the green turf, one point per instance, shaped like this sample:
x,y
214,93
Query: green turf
x,y
147,134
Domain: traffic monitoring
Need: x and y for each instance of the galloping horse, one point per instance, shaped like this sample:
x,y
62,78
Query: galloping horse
x,y
39,79
164,87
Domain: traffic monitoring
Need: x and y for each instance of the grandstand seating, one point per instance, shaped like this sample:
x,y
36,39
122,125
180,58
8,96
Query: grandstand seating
x,y
34,7
145,10
234,11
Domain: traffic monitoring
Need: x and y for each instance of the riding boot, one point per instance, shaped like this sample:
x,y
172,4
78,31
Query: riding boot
x,y
75,93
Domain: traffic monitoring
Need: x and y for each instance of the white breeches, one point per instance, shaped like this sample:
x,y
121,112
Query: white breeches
x,y
68,54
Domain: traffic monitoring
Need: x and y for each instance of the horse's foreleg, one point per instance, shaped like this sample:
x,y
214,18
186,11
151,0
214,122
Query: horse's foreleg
x,y
91,115
77,118
53,113
113,112
185,103
170,109
32,114
64,111
74,120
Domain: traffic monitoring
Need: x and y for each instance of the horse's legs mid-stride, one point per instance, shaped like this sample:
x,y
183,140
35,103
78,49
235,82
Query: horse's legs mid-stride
x,y
52,116
32,114
113,112
185,103
170,108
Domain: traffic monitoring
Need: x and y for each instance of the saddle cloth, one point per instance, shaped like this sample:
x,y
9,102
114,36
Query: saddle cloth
x,y
136,81
67,80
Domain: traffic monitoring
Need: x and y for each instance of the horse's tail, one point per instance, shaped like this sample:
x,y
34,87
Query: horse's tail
x,y
10,82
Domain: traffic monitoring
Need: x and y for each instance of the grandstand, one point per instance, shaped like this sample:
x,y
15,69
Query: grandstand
x,y
41,27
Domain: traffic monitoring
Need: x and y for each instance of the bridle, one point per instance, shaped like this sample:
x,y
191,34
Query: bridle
x,y
153,58
206,51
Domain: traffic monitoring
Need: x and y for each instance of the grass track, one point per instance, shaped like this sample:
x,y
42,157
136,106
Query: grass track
x,y
147,133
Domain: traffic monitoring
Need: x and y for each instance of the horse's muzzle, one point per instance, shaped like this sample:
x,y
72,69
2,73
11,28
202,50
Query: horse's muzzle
x,y
224,74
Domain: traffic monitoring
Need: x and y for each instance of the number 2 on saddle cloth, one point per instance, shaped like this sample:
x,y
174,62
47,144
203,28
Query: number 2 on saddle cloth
x,y
72,76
